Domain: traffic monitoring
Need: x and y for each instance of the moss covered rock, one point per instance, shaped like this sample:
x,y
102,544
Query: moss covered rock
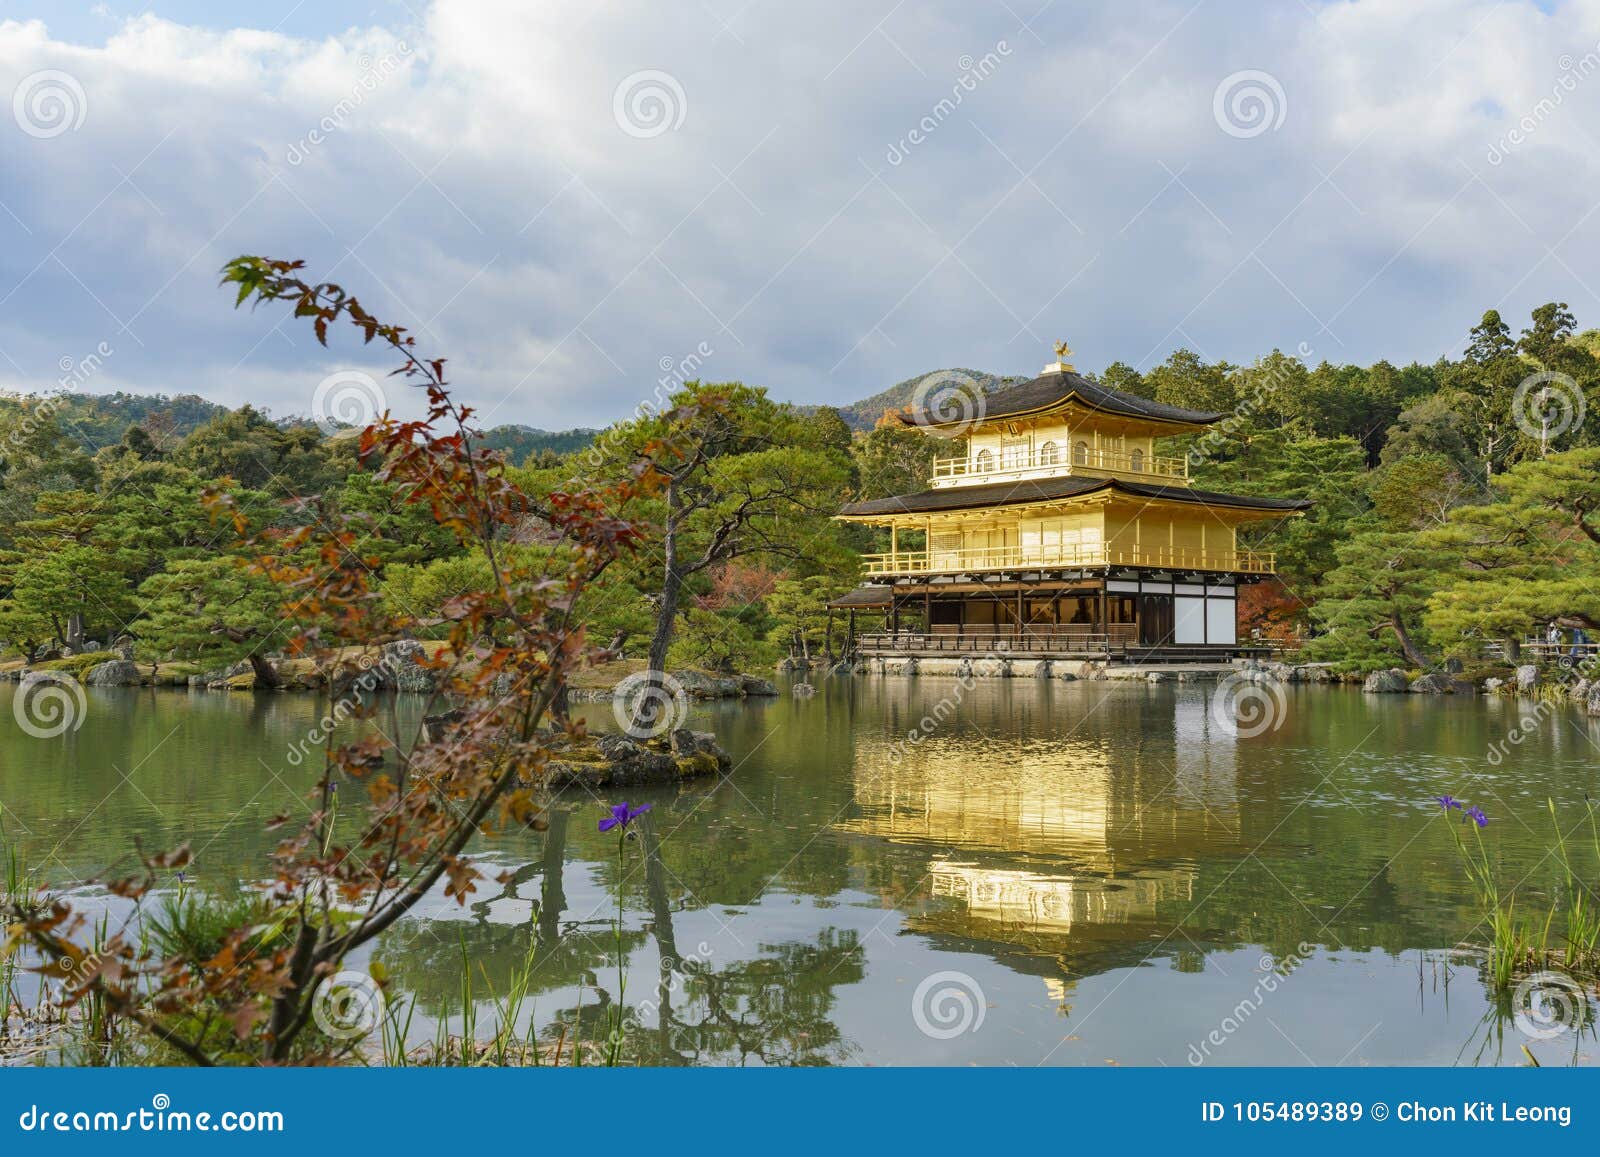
x,y
616,759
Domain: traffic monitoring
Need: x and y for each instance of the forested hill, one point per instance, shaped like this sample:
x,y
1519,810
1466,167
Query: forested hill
x,y
518,443
864,415
95,421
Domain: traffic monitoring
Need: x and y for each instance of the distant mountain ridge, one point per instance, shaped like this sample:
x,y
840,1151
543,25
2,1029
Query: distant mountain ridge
x,y
864,415
98,420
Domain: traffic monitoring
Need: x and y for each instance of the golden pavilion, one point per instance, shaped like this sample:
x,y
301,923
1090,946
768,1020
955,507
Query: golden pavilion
x,y
1060,532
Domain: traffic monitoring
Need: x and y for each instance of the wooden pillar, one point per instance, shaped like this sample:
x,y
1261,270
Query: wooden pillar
x,y
1018,626
828,644
850,631
927,611
894,546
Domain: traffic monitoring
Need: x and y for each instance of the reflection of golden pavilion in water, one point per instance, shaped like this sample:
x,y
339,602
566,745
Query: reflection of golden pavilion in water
x,y
1054,903
1074,837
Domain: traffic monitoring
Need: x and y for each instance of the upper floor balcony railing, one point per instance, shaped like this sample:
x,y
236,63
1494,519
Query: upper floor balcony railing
x,y
990,559
988,466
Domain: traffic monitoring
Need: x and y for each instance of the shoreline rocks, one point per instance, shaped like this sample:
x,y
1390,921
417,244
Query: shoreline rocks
x,y
116,673
1390,682
696,684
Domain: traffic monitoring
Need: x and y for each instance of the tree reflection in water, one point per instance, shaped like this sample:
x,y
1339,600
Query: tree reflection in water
x,y
774,1008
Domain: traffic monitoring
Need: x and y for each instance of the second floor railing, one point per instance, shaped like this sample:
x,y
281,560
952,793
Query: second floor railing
x,y
1064,458
961,561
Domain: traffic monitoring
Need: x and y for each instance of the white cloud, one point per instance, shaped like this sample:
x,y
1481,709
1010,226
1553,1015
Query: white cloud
x,y
481,192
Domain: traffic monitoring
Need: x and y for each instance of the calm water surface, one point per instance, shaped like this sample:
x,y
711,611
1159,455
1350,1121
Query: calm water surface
x,y
1062,873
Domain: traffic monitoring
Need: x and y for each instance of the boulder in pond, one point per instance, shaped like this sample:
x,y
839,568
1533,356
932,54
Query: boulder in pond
x,y
615,759
1390,682
700,685
403,669
46,677
1431,685
116,673
1527,677
1592,707
803,690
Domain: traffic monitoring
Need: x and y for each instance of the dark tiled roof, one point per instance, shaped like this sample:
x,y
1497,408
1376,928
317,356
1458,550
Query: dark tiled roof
x,y
1049,389
1046,489
870,595
1212,497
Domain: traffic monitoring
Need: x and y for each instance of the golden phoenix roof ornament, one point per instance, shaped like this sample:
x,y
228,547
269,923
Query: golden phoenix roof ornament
x,y
1061,365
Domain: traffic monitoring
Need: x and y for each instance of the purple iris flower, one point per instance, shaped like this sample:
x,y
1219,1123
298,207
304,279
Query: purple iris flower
x,y
1475,814
1448,802
622,815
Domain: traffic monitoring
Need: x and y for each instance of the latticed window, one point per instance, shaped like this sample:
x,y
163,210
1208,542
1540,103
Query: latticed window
x,y
1136,461
1048,454
1080,454
985,461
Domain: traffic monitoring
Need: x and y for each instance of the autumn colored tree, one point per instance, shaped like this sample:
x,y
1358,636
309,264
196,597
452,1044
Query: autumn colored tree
x,y
251,995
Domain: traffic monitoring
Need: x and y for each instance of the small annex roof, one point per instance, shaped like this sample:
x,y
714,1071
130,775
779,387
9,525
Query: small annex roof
x,y
869,595
1050,390
1048,489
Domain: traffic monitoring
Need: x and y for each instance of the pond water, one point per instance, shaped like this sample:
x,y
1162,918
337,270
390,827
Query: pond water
x,y
1080,873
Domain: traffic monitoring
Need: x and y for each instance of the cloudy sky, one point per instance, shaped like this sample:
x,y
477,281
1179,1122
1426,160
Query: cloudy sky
x,y
822,198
